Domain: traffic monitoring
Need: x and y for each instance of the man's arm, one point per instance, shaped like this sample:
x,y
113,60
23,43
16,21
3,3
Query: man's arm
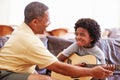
x,y
75,71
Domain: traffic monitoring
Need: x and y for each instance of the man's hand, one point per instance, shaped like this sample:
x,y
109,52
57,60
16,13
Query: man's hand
x,y
101,72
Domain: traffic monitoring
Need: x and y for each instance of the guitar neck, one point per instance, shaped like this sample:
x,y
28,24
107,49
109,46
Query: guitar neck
x,y
116,67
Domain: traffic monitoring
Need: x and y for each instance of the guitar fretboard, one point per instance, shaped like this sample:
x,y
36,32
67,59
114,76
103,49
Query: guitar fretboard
x,y
116,67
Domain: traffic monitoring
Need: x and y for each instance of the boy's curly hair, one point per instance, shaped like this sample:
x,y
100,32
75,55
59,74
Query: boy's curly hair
x,y
91,26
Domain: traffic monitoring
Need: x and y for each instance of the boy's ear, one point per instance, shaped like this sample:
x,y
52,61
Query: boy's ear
x,y
92,39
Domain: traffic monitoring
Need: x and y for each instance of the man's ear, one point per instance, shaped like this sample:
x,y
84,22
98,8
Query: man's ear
x,y
34,22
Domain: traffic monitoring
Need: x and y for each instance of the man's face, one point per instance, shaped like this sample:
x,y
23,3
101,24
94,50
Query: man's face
x,y
42,23
45,21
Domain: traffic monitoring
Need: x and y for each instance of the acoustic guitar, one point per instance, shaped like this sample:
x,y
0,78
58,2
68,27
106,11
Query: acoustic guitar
x,y
90,61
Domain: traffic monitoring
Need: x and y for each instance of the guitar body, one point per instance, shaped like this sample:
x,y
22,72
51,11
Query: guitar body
x,y
76,59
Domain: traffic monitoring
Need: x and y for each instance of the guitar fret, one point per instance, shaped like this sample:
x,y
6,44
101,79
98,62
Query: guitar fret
x,y
92,65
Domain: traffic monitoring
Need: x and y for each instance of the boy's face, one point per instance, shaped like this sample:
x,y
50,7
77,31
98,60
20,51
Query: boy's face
x,y
82,37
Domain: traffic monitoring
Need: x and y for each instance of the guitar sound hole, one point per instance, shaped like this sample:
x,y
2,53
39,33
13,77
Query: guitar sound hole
x,y
76,79
69,61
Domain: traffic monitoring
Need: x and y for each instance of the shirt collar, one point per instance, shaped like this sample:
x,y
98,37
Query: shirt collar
x,y
27,28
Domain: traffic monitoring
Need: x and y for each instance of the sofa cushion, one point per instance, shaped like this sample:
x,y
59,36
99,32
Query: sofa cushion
x,y
111,49
56,45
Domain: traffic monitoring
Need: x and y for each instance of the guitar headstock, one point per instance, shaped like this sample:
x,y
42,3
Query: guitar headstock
x,y
113,67
117,67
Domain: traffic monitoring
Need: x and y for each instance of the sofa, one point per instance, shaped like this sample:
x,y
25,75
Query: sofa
x,y
110,47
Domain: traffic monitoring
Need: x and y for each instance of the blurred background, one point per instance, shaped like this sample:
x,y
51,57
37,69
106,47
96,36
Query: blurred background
x,y
64,13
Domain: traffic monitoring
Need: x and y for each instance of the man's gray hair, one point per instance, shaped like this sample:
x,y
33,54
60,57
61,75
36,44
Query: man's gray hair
x,y
34,10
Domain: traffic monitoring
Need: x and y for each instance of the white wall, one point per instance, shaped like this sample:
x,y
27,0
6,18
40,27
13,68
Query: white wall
x,y
64,13
4,11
